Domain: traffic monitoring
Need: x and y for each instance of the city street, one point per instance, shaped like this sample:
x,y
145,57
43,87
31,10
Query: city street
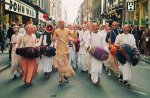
x,y
43,41
4,60
79,86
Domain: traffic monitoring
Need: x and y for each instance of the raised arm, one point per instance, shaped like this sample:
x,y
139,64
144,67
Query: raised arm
x,y
107,37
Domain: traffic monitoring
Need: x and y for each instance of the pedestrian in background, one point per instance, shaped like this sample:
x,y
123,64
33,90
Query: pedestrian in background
x,y
148,43
37,32
10,32
145,41
2,38
141,31
21,29
135,33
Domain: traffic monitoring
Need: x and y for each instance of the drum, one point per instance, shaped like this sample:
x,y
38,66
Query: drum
x,y
48,51
28,52
128,53
99,53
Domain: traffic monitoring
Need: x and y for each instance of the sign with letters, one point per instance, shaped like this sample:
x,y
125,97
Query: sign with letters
x,y
19,7
130,6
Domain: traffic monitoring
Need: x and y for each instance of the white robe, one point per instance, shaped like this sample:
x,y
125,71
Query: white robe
x,y
15,62
126,39
97,39
46,62
72,56
84,37
104,34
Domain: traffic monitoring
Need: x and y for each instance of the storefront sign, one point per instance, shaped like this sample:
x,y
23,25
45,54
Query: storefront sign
x,y
20,8
41,17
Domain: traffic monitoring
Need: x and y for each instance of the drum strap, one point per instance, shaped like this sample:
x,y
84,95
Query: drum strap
x,y
121,40
112,31
114,57
42,40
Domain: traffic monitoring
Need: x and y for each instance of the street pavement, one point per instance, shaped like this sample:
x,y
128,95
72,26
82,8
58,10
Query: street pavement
x,y
4,61
145,60
79,86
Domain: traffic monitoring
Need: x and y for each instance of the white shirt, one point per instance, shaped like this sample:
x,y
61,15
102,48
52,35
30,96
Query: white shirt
x,y
97,39
104,34
125,39
22,31
15,38
86,38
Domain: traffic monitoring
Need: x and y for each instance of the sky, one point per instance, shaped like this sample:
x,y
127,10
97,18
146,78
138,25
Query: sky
x,y
72,8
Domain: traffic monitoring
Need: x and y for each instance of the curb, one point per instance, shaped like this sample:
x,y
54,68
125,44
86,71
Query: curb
x,y
4,68
146,61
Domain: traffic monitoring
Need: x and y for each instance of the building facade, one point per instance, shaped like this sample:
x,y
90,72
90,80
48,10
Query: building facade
x,y
55,7
41,7
23,11
141,12
19,12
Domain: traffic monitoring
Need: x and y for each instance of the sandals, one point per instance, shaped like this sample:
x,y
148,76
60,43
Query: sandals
x,y
126,83
66,78
61,82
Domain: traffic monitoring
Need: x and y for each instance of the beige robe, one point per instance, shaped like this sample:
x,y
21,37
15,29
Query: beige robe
x,y
61,60
15,62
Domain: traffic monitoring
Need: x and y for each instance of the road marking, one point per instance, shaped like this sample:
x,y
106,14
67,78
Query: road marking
x,y
142,93
143,67
135,85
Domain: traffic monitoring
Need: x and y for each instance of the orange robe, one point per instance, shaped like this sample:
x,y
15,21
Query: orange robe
x,y
61,60
29,66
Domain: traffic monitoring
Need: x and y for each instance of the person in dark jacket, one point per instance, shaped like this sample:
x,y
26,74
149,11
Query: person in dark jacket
x,y
135,33
10,32
2,38
111,36
141,31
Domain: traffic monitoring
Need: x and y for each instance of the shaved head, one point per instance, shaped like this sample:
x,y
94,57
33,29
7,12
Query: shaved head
x,y
126,28
61,24
94,27
30,28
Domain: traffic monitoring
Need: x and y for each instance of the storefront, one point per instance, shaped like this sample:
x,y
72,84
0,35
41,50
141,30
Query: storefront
x,y
19,12
141,12
41,19
1,14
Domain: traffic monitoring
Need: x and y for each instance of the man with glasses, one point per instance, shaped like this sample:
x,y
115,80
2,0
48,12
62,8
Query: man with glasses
x,y
15,69
111,36
110,40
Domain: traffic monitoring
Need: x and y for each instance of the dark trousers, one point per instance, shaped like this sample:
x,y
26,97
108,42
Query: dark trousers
x,y
10,49
2,46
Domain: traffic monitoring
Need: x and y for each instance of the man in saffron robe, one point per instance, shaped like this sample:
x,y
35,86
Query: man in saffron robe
x,y
61,60
29,66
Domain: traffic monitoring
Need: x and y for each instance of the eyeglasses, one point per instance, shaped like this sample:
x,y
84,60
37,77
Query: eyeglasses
x,y
16,27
